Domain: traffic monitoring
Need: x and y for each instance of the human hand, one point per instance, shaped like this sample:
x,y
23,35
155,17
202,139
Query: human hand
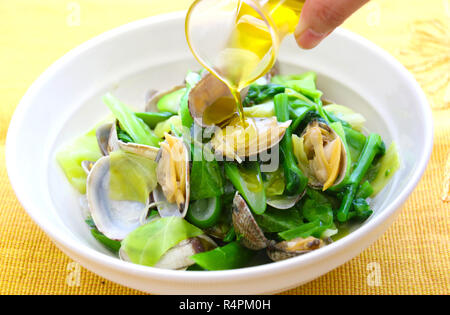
x,y
320,17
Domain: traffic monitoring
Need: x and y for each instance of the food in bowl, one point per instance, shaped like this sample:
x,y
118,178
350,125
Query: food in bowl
x,y
189,185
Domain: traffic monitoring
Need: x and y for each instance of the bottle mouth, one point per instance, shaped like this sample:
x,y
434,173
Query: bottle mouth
x,y
207,10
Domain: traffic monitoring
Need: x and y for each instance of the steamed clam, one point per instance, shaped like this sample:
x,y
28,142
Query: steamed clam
x,y
321,155
173,193
236,141
293,248
253,237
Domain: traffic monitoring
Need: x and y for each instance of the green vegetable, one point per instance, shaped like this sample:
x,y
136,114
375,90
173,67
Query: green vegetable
x,y
134,126
258,94
296,181
122,135
230,256
361,210
112,245
166,126
304,84
206,176
148,243
84,148
261,110
356,142
355,120
275,220
314,228
274,183
337,127
171,102
132,177
231,235
365,190
313,211
374,146
192,79
388,166
204,213
152,119
247,179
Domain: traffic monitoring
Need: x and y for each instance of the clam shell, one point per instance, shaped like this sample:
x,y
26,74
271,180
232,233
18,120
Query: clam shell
x,y
293,248
156,96
313,182
284,202
245,225
115,219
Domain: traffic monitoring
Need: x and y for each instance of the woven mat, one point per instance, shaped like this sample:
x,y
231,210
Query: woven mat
x,y
411,258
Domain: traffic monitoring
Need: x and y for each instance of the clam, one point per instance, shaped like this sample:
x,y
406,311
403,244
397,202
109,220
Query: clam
x,y
237,141
322,157
114,218
173,193
211,102
109,142
253,237
245,225
179,256
293,248
154,96
284,202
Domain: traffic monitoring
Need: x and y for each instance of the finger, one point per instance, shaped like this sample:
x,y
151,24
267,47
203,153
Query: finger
x,y
320,17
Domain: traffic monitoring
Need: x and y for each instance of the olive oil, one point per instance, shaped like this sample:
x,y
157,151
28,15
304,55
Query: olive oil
x,y
250,51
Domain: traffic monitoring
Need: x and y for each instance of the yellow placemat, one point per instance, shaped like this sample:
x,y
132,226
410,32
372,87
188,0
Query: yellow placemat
x,y
411,258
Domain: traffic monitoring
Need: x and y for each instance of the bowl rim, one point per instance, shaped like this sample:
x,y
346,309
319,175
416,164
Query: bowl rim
x,y
99,258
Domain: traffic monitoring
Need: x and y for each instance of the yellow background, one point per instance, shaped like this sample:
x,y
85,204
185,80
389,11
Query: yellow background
x,y
411,258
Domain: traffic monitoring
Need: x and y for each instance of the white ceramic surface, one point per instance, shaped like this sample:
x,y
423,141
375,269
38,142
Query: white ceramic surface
x,y
66,101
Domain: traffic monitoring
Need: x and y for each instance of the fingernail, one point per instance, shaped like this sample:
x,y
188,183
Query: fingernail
x,y
308,38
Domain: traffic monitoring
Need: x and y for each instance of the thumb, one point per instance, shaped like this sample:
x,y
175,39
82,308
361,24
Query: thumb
x,y
320,17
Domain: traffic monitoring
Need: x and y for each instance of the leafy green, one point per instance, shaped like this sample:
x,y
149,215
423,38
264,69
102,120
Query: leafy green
x,y
152,119
165,126
304,83
84,148
388,166
192,79
356,141
110,244
314,228
258,94
132,177
261,110
247,179
171,102
274,183
344,113
134,126
230,256
148,243
206,177
275,220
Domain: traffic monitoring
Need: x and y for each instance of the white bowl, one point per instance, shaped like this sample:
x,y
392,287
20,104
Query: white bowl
x,y
66,101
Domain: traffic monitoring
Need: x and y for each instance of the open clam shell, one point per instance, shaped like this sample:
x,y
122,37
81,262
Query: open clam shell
x,y
108,142
114,218
293,248
325,161
173,192
236,141
284,202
